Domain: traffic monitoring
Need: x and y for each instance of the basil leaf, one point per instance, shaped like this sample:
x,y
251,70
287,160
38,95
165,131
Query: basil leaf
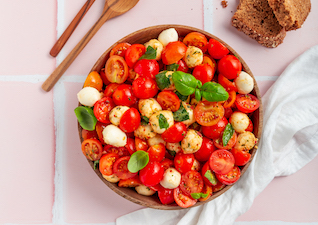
x,y
162,80
138,160
181,97
173,67
227,134
150,53
85,117
181,114
146,119
185,83
198,195
210,176
197,94
214,92
171,152
163,123
96,164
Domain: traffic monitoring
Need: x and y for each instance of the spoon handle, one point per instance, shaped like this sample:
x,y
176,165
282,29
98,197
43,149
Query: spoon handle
x,y
71,27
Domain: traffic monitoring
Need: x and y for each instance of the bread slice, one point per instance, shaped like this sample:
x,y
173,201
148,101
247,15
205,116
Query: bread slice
x,y
256,19
290,14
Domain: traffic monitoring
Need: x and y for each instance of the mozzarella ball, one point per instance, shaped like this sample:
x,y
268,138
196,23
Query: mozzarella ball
x,y
112,135
245,141
176,147
193,56
144,190
111,178
189,109
192,142
156,140
171,178
157,45
144,132
154,120
88,96
116,113
244,83
167,36
149,106
239,121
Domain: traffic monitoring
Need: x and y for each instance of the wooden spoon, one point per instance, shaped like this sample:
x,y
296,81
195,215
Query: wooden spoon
x,y
111,9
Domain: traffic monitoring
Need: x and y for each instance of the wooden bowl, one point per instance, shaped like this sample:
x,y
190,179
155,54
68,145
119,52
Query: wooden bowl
x,y
142,36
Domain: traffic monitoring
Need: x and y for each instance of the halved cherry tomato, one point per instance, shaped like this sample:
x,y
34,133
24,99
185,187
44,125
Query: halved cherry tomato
x,y
241,157
147,68
208,113
183,162
221,161
182,66
196,39
144,87
87,134
141,145
226,83
109,90
203,72
207,147
207,189
175,133
130,120
94,80
191,182
168,100
133,53
120,168
218,187
230,101
231,177
121,151
99,129
173,52
156,152
124,95
208,175
219,142
250,126
131,146
151,174
92,149
247,103
116,69
229,66
216,49
102,108
106,163
165,195
183,200
216,130
130,182
120,49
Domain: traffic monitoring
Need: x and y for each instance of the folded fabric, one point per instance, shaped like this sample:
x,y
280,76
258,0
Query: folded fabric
x,y
289,141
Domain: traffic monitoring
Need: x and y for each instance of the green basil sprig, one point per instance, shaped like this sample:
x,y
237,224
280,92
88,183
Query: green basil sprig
x,y
173,67
214,92
211,177
162,80
181,114
198,195
150,53
163,122
227,134
138,160
85,117
185,83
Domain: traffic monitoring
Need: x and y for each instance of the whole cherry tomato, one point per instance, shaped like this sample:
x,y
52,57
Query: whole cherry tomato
x,y
216,49
94,80
147,68
144,87
130,120
183,162
173,52
196,39
216,130
151,174
175,133
157,152
203,72
133,53
123,95
207,147
165,195
229,66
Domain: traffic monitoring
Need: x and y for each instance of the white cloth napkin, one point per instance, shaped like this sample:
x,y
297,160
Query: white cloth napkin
x,y
289,141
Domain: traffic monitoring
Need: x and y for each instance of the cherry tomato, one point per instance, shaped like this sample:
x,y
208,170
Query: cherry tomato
x,y
219,142
144,87
130,120
183,162
221,161
133,53
229,66
226,83
196,39
87,134
123,95
231,100
218,187
99,130
109,90
151,174
166,163
183,200
165,195
157,152
228,112
120,49
191,182
94,80
92,149
130,146
208,175
182,66
103,76
207,189
175,133
116,69
207,147
102,108
247,103
120,168
168,100
120,151
141,145
216,49
203,72
230,177
208,113
208,60
106,163
241,157
215,131
173,52
130,182
147,68
250,126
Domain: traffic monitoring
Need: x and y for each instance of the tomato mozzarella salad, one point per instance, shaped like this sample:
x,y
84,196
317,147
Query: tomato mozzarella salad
x,y
170,117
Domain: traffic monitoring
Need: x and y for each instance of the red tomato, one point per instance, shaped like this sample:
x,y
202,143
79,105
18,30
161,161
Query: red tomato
x,y
196,39
130,146
141,145
130,120
208,113
94,80
151,174
218,187
207,147
106,163
219,142
207,189
120,168
120,151
250,126
231,177
147,68
216,130
87,134
99,129
133,53
241,157
229,66
173,52
168,100
167,163
203,72
175,133
207,175
228,85
165,195
247,103
102,108
109,90
103,76
183,162
231,100
144,87
191,182
92,149
120,49
157,152
216,49
130,182
182,66
183,200
228,112
221,161
124,95
116,69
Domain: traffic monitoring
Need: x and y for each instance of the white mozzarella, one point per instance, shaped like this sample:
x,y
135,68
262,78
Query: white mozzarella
x,y
144,190
157,45
176,147
144,131
168,35
192,142
112,135
193,56
111,178
171,178
239,121
156,140
244,83
116,113
189,109
149,106
88,96
154,120
245,141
